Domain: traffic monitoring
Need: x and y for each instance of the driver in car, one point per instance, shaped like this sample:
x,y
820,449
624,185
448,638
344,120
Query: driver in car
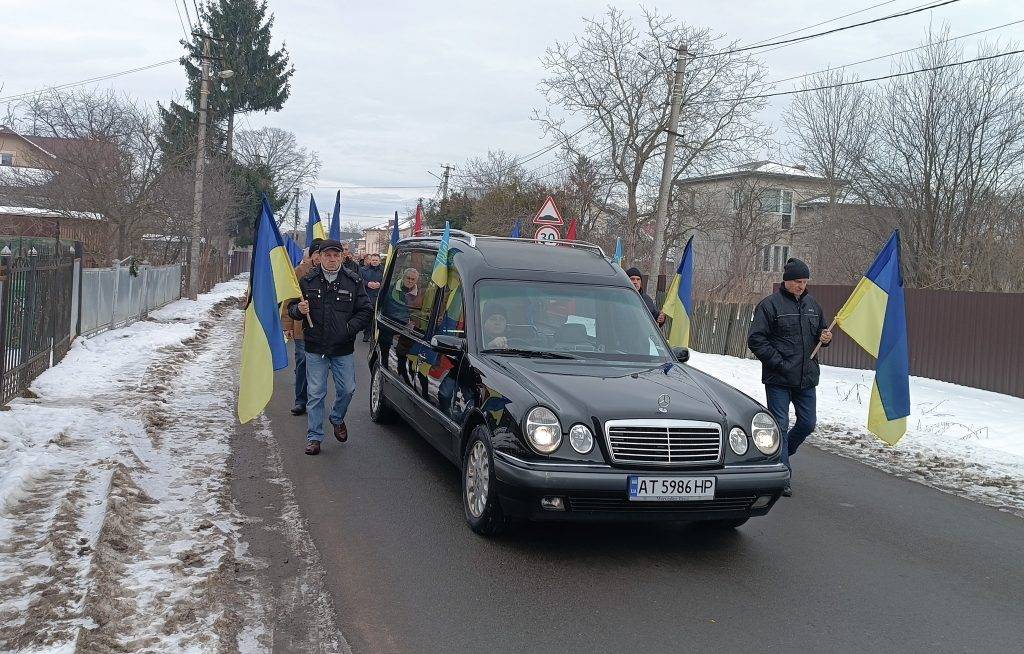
x,y
495,322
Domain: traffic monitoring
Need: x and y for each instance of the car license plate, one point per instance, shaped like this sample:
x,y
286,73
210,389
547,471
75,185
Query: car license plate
x,y
671,488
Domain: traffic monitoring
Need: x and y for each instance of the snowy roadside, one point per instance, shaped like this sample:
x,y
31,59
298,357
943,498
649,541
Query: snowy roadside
x,y
117,526
961,440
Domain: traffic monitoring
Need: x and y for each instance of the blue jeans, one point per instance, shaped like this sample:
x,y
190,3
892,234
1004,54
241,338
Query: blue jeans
x,y
343,369
804,401
300,373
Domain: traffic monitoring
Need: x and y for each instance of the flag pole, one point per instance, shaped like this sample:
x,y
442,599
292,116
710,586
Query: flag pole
x,y
818,346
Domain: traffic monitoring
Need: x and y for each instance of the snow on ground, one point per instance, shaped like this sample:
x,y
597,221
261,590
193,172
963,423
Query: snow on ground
x,y
117,530
962,440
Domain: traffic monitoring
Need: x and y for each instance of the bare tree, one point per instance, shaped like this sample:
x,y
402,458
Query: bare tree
x,y
105,159
617,76
293,166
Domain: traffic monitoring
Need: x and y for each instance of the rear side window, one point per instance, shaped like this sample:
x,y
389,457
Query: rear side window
x,y
406,301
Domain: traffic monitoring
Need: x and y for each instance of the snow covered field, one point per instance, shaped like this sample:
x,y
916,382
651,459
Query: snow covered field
x,y
961,440
117,531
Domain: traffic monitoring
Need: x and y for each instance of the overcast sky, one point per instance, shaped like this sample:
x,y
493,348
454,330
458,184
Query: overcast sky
x,y
389,90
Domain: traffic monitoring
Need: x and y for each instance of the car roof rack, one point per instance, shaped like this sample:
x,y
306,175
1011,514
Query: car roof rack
x,y
471,240
583,245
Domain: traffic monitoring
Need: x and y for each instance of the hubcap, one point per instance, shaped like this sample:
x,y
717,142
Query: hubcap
x,y
375,391
478,475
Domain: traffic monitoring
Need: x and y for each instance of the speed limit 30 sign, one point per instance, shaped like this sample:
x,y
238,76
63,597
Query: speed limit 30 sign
x,y
547,233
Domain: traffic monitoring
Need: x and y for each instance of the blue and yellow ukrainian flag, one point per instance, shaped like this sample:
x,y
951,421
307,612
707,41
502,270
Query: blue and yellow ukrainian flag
x,y
314,228
439,275
618,252
335,230
294,251
679,300
875,317
271,281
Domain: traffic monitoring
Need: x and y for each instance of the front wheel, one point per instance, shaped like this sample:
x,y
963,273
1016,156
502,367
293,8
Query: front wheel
x,y
380,411
479,501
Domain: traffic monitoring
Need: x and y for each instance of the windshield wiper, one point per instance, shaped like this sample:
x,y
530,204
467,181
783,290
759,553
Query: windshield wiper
x,y
533,354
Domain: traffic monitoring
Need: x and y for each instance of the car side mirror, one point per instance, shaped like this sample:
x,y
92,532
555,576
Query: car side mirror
x,y
452,346
681,354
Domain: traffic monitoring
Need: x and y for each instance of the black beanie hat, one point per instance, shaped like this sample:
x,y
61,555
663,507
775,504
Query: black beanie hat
x,y
634,272
795,269
315,245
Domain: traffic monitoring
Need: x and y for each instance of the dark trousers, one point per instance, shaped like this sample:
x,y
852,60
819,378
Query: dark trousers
x,y
301,388
804,401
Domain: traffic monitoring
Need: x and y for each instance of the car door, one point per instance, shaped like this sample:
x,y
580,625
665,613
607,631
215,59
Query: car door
x,y
402,323
440,372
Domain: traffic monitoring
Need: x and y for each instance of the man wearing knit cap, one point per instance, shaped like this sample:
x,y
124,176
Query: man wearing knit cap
x,y
787,326
638,283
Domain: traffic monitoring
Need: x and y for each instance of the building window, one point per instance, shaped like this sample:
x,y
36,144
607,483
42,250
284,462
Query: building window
x,y
774,257
779,202
6,159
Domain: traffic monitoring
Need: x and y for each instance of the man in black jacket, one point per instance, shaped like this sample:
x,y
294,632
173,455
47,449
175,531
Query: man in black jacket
x,y
638,283
372,275
787,326
335,301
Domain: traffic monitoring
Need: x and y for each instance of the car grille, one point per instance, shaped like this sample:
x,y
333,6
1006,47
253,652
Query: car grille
x,y
605,504
664,442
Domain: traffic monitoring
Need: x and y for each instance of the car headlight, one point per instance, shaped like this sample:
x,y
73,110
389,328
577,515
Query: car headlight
x,y
765,432
543,430
738,440
581,438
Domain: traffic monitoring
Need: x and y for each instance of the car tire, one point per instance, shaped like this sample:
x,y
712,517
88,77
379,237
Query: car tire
x,y
724,525
480,502
380,411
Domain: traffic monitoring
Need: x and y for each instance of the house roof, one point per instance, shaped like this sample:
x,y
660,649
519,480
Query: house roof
x,y
48,213
54,147
758,168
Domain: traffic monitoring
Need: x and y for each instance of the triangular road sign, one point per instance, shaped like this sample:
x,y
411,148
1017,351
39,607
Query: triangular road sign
x,y
548,214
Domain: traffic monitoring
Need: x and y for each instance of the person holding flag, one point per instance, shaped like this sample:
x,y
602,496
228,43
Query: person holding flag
x,y
636,277
784,335
293,329
679,300
271,282
336,308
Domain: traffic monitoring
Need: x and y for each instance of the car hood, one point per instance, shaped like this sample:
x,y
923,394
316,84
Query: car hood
x,y
580,391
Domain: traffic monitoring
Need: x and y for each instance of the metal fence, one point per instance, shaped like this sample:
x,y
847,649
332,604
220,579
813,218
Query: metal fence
x,y
118,296
961,337
36,309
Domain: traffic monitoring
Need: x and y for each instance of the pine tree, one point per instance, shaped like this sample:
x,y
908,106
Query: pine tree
x,y
241,43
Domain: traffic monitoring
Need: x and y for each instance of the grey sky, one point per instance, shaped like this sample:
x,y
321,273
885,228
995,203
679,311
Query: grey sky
x,y
386,91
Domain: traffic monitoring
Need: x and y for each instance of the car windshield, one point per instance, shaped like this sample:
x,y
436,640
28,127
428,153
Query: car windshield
x,y
587,322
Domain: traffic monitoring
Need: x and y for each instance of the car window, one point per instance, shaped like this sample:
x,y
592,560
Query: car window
x,y
406,301
590,322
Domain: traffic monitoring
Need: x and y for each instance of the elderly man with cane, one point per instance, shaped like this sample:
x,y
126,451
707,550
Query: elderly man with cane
x,y
788,326
336,309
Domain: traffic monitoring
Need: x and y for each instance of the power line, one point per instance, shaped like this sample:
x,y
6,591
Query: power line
x,y
908,12
825,22
100,78
187,16
864,81
177,10
892,54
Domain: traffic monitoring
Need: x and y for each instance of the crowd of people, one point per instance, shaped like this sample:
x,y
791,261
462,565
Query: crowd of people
x,y
340,291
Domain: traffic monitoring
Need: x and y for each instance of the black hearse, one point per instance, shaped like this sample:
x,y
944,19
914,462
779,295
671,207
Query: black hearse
x,y
538,371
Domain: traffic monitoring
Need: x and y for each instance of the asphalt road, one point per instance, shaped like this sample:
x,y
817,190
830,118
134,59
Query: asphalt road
x,y
856,561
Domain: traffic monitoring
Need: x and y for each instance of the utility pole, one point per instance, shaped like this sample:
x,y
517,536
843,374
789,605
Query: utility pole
x,y
444,181
197,205
296,228
661,218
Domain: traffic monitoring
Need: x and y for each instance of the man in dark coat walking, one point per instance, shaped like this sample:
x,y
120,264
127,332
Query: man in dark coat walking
x,y
372,274
335,301
787,326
